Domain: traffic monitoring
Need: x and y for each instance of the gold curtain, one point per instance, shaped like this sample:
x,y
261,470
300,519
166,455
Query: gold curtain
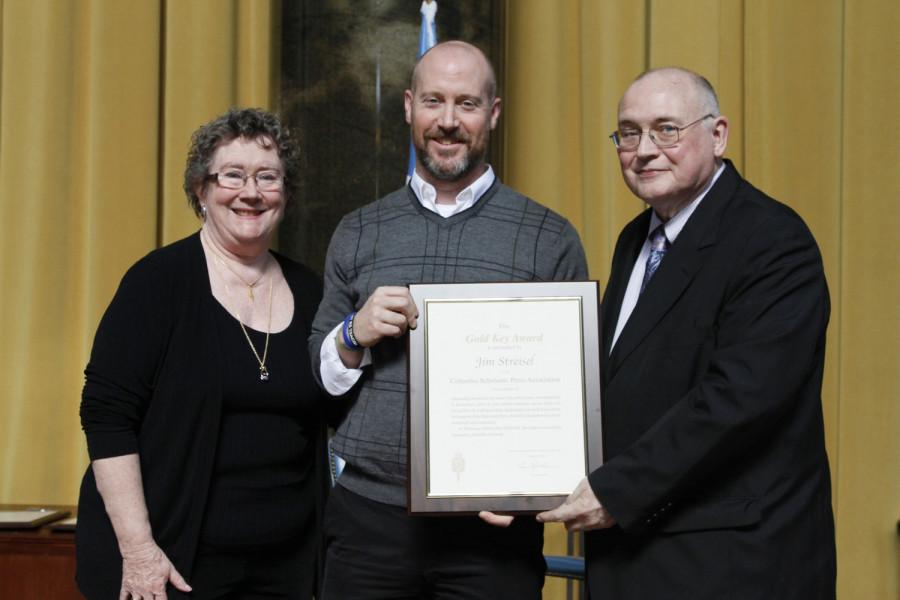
x,y
98,99
810,88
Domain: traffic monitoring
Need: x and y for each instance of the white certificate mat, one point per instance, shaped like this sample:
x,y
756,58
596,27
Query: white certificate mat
x,y
505,393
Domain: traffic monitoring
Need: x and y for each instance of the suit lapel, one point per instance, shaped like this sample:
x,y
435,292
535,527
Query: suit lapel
x,y
677,270
623,262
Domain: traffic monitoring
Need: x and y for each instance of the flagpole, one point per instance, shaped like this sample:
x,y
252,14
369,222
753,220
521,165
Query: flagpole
x,y
427,39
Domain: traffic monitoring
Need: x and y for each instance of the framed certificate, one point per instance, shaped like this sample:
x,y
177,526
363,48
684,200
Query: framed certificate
x,y
29,518
504,395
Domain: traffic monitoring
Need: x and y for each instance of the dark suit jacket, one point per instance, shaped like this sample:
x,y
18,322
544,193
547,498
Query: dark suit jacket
x,y
716,469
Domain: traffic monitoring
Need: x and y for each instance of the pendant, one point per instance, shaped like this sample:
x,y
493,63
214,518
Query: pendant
x,y
263,373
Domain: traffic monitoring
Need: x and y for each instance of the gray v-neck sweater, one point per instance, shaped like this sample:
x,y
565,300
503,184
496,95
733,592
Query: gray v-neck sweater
x,y
504,237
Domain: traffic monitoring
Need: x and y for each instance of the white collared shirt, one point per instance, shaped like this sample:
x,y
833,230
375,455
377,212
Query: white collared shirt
x,y
672,228
427,194
336,377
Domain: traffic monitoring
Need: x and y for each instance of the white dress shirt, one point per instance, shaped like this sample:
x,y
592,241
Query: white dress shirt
x,y
672,228
337,377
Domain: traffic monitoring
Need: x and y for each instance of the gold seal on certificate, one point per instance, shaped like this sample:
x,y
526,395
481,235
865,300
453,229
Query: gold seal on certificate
x,y
504,395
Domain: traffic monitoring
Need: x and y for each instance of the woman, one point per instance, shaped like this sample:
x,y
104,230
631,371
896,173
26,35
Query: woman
x,y
199,410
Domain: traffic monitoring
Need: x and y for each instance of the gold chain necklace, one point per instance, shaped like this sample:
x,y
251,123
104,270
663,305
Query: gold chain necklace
x,y
263,371
224,263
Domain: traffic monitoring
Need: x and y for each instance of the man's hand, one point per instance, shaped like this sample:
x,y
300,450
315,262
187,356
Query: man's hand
x,y
388,312
145,572
495,519
581,511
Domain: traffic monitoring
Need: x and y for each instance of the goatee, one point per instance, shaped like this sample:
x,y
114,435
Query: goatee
x,y
449,170
446,171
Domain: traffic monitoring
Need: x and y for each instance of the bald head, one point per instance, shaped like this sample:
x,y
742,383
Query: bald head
x,y
462,55
451,108
695,87
673,115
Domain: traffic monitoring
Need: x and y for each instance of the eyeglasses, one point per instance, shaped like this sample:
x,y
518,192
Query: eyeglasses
x,y
233,179
664,135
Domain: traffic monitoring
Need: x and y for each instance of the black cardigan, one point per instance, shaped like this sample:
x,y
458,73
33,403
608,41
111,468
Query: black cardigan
x,y
153,387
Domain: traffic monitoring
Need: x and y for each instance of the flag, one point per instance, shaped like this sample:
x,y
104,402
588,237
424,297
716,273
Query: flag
x,y
427,39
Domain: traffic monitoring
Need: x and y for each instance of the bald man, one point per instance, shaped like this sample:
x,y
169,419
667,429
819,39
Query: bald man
x,y
716,483
454,222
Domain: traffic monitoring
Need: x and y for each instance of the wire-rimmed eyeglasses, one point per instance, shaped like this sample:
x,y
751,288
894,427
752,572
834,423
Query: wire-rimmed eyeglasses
x,y
663,135
234,179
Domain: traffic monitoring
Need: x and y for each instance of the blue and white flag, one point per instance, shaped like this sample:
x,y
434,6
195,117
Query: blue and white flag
x,y
427,39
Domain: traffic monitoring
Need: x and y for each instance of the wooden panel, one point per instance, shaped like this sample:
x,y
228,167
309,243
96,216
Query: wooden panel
x,y
544,113
614,54
37,564
728,77
684,34
868,467
567,66
793,139
23,579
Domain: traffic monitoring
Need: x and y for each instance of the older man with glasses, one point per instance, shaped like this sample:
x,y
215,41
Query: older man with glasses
x,y
716,483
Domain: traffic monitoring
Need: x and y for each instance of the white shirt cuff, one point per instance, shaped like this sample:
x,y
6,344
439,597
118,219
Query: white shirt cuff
x,y
336,376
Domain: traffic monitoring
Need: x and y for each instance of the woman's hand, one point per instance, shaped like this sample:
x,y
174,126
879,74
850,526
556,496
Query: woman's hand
x,y
145,568
145,572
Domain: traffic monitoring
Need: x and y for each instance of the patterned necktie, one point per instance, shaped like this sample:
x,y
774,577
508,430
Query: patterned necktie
x,y
659,245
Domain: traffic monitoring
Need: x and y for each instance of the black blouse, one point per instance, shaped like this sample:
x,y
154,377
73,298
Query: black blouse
x,y
260,490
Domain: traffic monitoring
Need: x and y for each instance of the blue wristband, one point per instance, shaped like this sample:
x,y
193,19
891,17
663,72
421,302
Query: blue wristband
x,y
347,334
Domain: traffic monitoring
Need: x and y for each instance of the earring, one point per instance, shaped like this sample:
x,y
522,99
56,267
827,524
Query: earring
x,y
203,211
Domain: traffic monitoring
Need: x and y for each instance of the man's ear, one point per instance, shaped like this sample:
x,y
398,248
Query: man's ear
x,y
720,136
495,112
408,105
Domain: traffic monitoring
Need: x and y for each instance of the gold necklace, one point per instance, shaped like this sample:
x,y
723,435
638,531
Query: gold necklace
x,y
263,371
250,286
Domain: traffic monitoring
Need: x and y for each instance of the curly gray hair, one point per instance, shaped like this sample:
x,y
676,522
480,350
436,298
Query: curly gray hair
x,y
249,123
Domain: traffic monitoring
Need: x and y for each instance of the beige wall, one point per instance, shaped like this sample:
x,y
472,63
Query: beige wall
x,y
97,101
